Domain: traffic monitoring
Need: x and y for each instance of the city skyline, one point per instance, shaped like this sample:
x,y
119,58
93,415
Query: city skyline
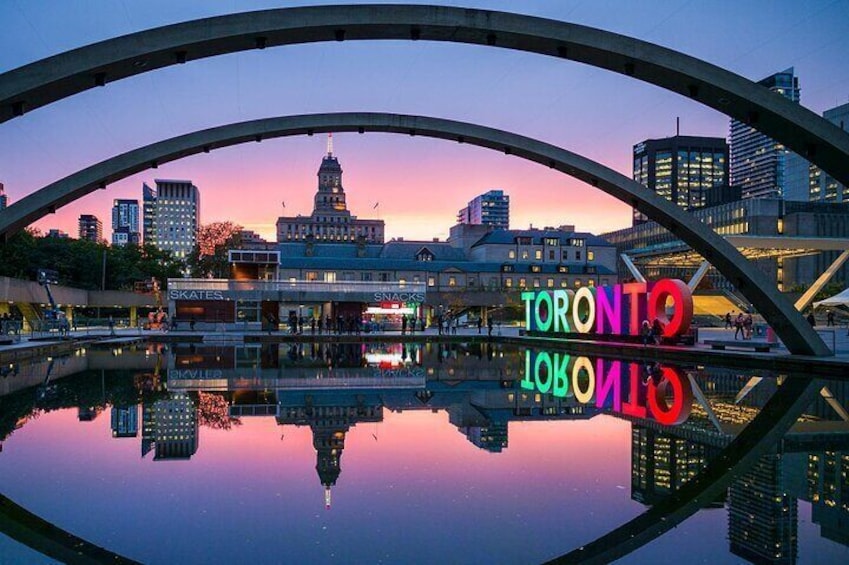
x,y
419,183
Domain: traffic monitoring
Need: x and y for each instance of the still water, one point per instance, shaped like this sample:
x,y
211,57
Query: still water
x,y
405,453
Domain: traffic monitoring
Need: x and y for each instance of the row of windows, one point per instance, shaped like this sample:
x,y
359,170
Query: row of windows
x,y
454,281
552,255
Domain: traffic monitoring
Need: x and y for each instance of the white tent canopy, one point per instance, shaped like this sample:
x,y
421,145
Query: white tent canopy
x,y
840,300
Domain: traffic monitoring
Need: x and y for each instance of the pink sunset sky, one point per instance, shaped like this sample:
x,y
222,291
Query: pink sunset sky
x,y
419,183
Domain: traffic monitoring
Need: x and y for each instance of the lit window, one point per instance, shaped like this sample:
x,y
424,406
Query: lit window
x,y
431,281
538,254
452,281
523,283
550,283
511,254
590,255
577,282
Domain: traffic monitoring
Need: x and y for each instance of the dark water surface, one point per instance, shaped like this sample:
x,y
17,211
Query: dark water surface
x,y
392,453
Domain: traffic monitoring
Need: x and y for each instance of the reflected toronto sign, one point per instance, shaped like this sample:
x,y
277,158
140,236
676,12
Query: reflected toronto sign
x,y
618,310
653,391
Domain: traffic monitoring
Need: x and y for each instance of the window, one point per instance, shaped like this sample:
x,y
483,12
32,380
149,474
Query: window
x,y
508,283
590,255
330,277
312,276
552,241
536,282
591,282
523,282
577,255
564,283
452,281
525,254
577,282
562,269
551,254
511,254
565,255
535,268
538,254
550,283
431,281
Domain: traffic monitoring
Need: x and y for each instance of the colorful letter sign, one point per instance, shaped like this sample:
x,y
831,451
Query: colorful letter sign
x,y
618,310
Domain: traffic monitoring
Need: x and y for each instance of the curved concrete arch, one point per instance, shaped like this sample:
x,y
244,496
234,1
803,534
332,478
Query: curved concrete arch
x,y
788,323
51,79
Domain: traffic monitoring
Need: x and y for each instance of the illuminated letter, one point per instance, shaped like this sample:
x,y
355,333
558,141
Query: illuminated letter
x,y
608,307
528,297
543,357
543,298
682,398
583,303
583,396
526,382
561,307
634,407
682,314
635,304
613,381
561,381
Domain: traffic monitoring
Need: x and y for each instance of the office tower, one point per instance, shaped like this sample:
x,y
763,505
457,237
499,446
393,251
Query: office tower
x,y
57,233
330,221
822,187
91,228
148,215
490,209
125,222
683,169
177,216
4,200
758,163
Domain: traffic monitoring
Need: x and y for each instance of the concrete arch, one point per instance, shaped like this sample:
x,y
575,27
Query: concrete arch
x,y
51,79
796,333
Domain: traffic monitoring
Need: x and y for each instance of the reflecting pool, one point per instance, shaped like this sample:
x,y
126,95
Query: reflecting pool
x,y
414,453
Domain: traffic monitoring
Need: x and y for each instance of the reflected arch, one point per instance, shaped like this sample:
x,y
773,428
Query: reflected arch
x,y
51,79
787,322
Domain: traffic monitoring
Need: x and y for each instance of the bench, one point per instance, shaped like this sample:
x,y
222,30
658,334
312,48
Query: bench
x,y
759,346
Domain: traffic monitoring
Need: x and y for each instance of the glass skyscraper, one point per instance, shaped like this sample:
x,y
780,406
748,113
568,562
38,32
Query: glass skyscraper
x,y
682,169
491,208
759,164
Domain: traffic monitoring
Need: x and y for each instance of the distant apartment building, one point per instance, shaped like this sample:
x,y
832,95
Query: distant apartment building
x,y
91,228
822,187
759,164
148,214
686,170
125,222
174,211
4,200
330,221
490,209
57,233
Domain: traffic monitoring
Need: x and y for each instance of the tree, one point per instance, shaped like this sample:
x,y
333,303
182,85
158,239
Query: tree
x,y
209,257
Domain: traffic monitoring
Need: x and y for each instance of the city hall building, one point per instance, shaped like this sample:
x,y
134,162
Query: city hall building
x,y
476,269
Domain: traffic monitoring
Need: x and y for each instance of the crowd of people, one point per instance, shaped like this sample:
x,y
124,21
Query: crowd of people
x,y
743,324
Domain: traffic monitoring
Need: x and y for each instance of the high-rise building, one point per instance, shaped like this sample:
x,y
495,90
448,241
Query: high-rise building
x,y
4,200
330,221
822,187
177,214
489,209
148,214
57,233
759,164
683,169
125,222
91,228
125,420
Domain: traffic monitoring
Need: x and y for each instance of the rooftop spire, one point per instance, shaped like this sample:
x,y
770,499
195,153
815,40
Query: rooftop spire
x,y
330,144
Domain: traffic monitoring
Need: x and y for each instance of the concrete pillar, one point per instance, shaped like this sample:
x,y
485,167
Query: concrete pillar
x,y
134,316
69,314
484,315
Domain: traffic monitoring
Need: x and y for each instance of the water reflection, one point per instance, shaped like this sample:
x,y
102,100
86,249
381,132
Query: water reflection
x,y
680,417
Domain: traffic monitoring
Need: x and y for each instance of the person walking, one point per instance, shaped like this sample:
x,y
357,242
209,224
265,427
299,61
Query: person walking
x,y
480,323
111,324
748,325
811,319
403,325
645,332
489,324
738,325
728,324
829,318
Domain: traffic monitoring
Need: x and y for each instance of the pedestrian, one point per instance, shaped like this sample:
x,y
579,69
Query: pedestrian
x,y
312,326
829,317
480,323
738,325
645,331
728,324
111,324
192,324
811,319
320,324
489,324
747,326
403,325
656,331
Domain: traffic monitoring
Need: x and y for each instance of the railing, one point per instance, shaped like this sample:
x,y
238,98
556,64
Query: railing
x,y
294,286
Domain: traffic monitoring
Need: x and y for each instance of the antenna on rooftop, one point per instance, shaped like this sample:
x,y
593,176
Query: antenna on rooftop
x,y
330,144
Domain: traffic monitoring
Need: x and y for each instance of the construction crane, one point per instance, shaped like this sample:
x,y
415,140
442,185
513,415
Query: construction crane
x,y
53,317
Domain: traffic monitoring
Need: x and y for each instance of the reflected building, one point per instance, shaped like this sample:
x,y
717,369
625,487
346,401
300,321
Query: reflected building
x,y
125,421
170,427
762,515
827,478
